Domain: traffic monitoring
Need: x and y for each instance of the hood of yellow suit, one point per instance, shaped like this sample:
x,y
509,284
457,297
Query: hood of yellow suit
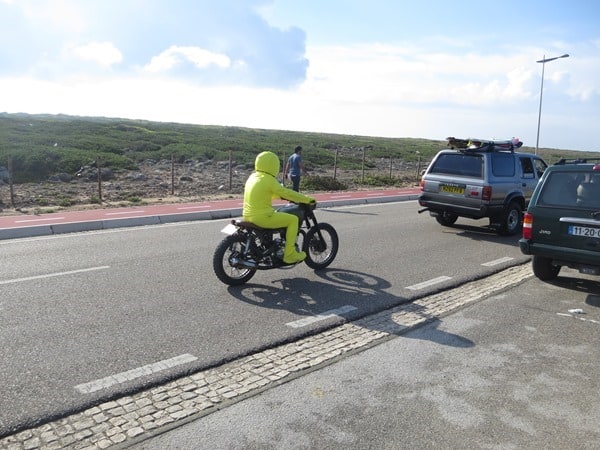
x,y
267,162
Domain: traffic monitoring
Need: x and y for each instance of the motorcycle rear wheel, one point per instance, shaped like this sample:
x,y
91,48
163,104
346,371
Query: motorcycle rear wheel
x,y
321,246
228,248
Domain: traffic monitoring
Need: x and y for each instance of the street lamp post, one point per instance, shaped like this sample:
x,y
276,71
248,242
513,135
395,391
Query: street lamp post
x,y
543,61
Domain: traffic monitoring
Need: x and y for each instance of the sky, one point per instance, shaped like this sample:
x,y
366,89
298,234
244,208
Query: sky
x,y
388,68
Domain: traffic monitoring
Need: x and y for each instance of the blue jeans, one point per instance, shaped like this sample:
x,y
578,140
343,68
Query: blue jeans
x,y
295,182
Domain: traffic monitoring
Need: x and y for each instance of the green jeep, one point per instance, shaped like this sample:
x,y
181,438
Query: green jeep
x,y
562,224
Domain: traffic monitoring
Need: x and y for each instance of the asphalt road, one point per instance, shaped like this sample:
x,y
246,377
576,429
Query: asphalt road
x,y
516,370
78,308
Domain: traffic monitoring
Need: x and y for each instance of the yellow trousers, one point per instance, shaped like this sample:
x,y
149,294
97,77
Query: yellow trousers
x,y
281,220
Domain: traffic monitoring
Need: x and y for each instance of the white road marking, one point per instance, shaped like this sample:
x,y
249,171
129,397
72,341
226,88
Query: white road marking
x,y
326,315
106,382
597,322
424,284
194,207
124,212
497,261
39,220
56,274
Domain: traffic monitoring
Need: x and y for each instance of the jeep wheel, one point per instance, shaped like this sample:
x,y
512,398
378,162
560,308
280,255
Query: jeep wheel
x,y
447,219
544,269
511,219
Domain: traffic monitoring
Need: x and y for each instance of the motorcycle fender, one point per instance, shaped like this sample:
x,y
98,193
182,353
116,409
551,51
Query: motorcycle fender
x,y
229,229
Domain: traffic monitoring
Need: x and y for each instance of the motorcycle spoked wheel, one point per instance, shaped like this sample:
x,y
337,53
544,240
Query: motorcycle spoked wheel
x,y
228,248
320,252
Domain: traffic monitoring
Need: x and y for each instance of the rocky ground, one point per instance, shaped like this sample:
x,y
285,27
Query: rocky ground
x,y
152,183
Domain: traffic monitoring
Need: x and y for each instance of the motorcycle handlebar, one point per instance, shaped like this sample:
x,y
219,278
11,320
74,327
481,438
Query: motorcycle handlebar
x,y
311,205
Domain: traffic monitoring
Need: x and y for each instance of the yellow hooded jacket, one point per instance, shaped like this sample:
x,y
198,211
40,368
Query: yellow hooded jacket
x,y
262,187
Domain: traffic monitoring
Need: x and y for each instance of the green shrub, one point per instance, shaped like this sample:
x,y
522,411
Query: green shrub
x,y
42,201
318,183
134,199
377,180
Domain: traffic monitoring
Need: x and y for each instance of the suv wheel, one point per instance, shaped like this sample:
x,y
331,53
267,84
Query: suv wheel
x,y
447,219
511,219
544,269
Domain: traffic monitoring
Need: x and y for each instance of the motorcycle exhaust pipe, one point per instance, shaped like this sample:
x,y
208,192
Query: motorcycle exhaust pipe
x,y
242,264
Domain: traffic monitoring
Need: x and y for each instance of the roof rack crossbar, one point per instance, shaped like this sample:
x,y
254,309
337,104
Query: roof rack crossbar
x,y
563,161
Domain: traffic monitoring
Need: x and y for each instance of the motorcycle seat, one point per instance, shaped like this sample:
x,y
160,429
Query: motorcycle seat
x,y
246,224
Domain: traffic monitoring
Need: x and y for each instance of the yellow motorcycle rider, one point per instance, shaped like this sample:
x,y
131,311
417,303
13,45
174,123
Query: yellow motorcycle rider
x,y
260,190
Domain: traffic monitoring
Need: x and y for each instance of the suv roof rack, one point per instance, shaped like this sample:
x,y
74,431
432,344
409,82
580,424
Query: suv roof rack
x,y
484,145
563,161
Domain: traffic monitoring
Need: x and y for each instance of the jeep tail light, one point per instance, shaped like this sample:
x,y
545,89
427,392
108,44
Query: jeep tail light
x,y
422,184
527,225
486,193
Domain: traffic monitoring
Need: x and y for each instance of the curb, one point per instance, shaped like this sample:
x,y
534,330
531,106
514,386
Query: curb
x,y
108,224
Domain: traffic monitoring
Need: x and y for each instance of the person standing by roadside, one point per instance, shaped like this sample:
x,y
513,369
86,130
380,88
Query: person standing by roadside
x,y
294,168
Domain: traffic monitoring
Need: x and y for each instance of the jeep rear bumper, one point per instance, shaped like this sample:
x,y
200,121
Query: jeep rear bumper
x,y
562,256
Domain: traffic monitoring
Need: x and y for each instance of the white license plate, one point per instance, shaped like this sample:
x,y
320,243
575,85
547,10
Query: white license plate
x,y
575,230
229,229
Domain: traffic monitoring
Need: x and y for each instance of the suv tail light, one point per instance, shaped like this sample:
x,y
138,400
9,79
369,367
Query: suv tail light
x,y
422,184
527,226
486,193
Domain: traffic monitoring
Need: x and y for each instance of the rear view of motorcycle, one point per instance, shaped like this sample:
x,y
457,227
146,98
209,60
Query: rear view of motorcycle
x,y
248,248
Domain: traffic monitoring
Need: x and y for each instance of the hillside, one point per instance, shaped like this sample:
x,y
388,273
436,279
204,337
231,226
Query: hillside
x,y
54,160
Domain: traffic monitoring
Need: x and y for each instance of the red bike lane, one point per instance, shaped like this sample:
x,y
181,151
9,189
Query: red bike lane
x,y
13,226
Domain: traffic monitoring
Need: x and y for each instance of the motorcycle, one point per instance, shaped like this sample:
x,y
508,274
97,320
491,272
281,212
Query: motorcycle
x,y
249,248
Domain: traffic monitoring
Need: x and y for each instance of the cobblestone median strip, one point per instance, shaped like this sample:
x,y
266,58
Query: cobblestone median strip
x,y
130,419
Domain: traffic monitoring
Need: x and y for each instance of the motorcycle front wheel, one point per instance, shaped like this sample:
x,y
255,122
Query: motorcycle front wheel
x,y
321,246
225,264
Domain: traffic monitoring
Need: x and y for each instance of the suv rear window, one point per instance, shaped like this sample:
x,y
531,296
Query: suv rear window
x,y
560,189
466,165
571,189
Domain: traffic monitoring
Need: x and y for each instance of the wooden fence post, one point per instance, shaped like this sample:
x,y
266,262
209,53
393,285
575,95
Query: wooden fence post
x,y
230,170
172,174
98,164
337,149
10,181
362,173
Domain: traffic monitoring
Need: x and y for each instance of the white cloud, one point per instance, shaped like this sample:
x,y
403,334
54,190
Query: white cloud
x,y
104,54
411,75
175,55
60,16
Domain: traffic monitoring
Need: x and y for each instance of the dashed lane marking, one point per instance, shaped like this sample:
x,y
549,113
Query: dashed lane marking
x,y
425,284
56,274
339,312
149,369
497,261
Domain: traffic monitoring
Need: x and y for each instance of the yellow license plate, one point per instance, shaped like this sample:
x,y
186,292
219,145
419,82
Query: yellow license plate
x,y
452,189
